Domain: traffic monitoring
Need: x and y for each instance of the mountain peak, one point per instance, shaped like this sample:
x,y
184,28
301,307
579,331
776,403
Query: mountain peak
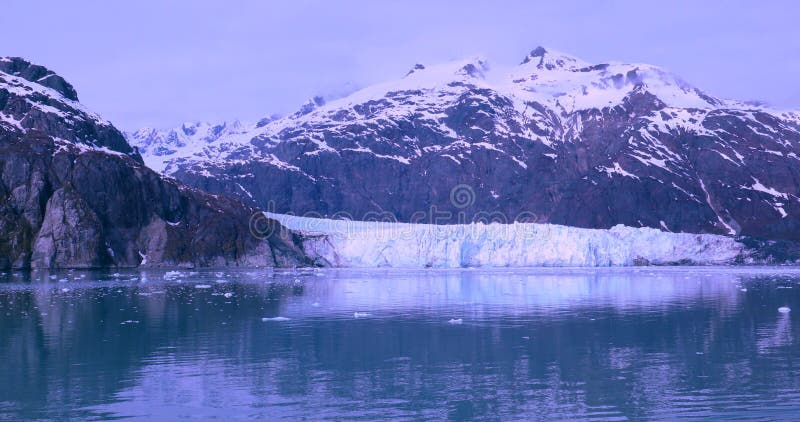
x,y
312,104
416,68
536,52
475,68
549,59
17,66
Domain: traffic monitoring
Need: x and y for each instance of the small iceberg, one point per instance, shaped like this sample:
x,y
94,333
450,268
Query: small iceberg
x,y
228,295
277,318
361,314
784,309
455,321
315,304
202,286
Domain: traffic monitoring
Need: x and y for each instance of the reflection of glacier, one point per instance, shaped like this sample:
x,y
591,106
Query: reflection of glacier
x,y
507,291
343,243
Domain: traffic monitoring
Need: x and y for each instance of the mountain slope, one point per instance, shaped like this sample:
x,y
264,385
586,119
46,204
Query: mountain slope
x,y
185,141
75,194
555,140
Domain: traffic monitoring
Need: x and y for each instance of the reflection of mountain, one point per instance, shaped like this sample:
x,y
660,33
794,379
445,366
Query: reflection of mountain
x,y
596,338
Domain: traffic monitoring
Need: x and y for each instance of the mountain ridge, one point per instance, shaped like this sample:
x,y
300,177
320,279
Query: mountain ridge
x,y
567,141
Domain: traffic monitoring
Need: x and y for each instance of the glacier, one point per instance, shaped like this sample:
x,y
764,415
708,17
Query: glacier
x,y
365,244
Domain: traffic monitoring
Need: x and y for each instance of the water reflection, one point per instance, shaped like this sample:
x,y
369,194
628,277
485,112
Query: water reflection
x,y
614,343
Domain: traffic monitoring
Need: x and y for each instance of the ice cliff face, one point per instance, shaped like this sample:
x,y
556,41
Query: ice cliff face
x,y
377,244
75,194
573,143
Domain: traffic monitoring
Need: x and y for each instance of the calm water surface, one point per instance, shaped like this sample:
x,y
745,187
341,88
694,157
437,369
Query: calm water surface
x,y
435,345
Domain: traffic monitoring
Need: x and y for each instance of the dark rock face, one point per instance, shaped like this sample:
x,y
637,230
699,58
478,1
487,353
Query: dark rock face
x,y
41,75
27,104
642,158
74,194
64,207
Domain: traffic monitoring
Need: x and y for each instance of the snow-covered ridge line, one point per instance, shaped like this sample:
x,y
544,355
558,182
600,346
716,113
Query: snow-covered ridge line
x,y
341,243
23,88
561,83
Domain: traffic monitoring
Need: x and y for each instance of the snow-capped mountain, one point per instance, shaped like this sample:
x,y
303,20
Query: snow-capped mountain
x,y
75,194
554,139
187,140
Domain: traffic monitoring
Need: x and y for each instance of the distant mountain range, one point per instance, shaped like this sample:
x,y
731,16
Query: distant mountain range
x,y
555,139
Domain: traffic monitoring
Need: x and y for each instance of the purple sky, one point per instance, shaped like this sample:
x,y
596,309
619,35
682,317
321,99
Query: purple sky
x,y
159,63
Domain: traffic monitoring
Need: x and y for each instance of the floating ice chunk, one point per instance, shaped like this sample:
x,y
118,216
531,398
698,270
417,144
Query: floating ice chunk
x,y
63,280
172,275
315,304
277,318
220,280
455,321
784,309
65,290
228,294
743,289
360,314
202,286
130,321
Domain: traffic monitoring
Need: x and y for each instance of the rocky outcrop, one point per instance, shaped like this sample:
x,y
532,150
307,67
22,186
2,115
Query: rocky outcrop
x,y
74,194
17,66
66,207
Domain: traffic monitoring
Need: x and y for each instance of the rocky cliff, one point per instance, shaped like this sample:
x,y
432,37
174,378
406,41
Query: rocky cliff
x,y
75,194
